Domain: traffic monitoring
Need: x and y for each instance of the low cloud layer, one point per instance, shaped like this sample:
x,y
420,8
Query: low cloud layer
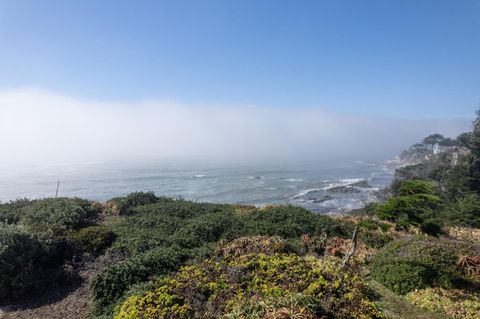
x,y
41,127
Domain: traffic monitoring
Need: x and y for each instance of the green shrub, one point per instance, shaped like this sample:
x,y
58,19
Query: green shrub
x,y
57,215
19,255
465,212
412,187
184,223
403,277
368,224
454,181
11,212
291,222
110,284
374,239
203,229
403,266
93,239
384,227
132,200
414,205
431,228
414,208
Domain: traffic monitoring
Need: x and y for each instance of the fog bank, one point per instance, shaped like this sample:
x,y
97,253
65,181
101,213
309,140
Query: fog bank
x,y
41,127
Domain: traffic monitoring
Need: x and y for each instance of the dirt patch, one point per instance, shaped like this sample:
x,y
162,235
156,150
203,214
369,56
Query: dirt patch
x,y
74,305
71,301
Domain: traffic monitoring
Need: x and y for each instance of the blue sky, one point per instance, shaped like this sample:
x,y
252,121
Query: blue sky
x,y
418,58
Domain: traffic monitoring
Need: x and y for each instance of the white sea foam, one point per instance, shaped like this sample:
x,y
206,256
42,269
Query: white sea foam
x,y
339,183
329,202
348,181
305,192
345,182
292,179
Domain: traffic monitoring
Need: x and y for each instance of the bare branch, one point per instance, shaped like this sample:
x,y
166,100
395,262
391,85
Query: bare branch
x,y
349,255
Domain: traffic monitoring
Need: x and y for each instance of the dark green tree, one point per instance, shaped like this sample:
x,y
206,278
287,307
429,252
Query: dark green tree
x,y
433,139
414,205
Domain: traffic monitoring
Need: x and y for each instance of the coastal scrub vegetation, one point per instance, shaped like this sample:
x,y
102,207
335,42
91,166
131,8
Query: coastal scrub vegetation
x,y
220,288
20,256
34,243
160,237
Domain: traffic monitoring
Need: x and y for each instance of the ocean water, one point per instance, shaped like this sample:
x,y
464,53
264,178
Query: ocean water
x,y
324,188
